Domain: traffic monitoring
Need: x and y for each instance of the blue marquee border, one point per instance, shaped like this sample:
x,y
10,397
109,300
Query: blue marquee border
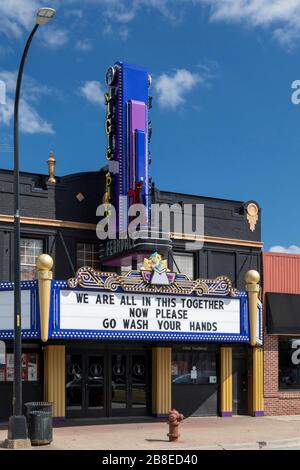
x,y
55,332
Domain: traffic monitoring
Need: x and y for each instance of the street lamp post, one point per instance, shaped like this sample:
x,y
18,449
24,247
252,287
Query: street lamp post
x,y
17,428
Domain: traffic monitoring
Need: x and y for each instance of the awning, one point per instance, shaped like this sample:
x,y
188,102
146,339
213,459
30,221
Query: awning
x,y
283,314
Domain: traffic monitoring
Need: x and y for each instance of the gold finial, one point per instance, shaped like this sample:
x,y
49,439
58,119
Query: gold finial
x,y
252,277
51,168
44,262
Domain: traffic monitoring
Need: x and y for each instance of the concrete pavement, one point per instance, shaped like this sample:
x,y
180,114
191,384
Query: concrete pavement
x,y
241,432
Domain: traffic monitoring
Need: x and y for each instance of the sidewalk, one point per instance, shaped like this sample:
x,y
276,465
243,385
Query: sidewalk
x,y
242,432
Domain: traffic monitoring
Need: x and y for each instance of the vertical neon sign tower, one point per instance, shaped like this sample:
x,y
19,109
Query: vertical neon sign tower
x,y
128,132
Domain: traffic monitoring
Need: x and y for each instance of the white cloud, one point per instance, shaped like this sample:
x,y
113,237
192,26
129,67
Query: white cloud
x,y
281,16
123,12
75,13
83,45
119,11
258,12
17,15
93,92
121,15
292,249
172,89
122,31
30,120
54,37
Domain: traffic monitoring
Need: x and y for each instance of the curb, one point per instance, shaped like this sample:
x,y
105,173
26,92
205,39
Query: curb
x,y
255,445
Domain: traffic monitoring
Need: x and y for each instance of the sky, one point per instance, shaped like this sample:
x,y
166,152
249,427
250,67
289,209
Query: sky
x,y
225,121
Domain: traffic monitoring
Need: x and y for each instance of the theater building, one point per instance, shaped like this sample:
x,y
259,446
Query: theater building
x,y
131,327
281,276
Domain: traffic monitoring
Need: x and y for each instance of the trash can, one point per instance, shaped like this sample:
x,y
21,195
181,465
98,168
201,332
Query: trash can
x,y
39,419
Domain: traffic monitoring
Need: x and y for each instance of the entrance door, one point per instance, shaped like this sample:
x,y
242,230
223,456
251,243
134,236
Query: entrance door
x,y
95,385
195,380
239,385
129,384
85,385
107,384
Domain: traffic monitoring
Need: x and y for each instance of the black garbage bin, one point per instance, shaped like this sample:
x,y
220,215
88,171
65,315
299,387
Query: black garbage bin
x,y
39,419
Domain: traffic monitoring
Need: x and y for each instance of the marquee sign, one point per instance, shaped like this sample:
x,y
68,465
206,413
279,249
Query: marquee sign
x,y
151,304
121,315
91,313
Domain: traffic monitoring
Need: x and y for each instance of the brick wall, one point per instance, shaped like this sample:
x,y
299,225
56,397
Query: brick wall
x,y
276,402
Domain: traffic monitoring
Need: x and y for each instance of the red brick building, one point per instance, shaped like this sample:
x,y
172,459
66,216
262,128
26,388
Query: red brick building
x,y
281,280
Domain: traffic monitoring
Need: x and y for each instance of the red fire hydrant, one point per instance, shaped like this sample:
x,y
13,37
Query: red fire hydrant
x,y
174,419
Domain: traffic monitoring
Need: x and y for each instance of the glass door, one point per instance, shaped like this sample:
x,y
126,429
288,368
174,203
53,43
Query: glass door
x,y
129,384
85,385
107,384
119,384
74,385
138,384
95,385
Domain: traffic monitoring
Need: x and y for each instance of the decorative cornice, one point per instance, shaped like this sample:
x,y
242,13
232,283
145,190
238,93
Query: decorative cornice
x,y
174,235
134,281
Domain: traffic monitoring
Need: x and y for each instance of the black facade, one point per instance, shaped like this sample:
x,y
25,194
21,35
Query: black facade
x,y
63,214
58,202
62,217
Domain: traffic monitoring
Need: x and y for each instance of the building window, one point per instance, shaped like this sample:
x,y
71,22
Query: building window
x,y
289,363
31,248
30,368
194,366
185,263
88,255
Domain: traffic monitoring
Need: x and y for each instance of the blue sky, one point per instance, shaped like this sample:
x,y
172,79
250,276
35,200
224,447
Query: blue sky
x,y
223,121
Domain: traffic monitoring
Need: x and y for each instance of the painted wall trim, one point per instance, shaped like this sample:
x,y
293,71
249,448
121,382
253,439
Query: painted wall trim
x,y
85,226
220,240
49,222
